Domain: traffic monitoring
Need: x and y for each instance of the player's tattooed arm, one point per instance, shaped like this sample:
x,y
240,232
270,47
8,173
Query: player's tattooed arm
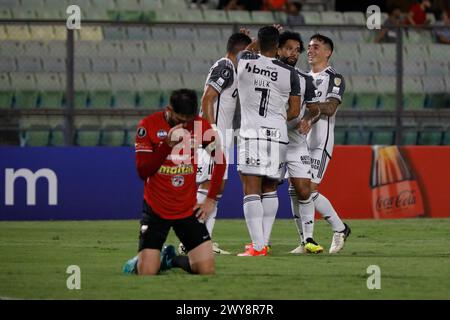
x,y
329,107
293,110
312,112
209,98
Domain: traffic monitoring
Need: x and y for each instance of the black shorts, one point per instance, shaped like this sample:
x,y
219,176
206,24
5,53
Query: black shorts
x,y
154,230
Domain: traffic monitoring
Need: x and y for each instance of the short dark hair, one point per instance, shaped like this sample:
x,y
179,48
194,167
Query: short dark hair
x,y
184,101
298,5
290,35
236,41
323,39
268,37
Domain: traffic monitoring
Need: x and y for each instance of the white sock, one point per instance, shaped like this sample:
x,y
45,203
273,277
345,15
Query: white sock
x,y
270,206
324,207
254,212
296,212
209,223
306,208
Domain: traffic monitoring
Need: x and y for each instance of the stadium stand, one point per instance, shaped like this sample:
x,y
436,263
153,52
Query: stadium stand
x,y
133,67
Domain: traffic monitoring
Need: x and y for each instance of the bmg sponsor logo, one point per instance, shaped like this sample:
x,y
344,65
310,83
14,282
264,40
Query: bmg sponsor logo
x,y
273,75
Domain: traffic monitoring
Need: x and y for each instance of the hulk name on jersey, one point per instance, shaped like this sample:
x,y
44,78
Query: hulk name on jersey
x,y
329,84
265,85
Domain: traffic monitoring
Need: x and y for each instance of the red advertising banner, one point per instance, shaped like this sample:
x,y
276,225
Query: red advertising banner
x,y
365,182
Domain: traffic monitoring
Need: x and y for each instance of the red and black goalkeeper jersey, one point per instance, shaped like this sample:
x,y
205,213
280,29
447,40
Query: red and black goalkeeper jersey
x,y
170,187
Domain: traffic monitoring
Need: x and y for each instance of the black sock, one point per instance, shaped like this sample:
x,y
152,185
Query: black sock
x,y
182,262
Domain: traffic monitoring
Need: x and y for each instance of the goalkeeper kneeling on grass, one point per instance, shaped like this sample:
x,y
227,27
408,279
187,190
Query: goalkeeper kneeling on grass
x,y
165,161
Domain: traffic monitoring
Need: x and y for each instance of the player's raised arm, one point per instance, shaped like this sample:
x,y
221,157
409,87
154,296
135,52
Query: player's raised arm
x,y
149,156
335,93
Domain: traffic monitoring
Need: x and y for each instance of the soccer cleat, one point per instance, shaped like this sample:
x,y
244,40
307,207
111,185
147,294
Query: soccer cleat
x,y
250,245
312,247
299,250
130,267
217,250
339,239
167,254
250,252
181,249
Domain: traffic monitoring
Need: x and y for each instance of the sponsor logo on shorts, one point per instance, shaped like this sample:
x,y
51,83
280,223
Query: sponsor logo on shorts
x,y
252,162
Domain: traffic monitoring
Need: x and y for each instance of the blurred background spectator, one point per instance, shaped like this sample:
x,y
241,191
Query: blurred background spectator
x,y
443,34
249,5
294,15
417,14
274,5
388,34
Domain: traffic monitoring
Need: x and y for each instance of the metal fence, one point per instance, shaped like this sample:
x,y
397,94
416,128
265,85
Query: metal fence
x,y
91,86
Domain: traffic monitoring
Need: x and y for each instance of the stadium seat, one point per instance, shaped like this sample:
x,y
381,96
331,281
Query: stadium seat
x,y
87,130
82,64
26,95
45,33
239,16
58,48
176,65
369,51
388,67
109,49
385,137
149,99
437,68
436,92
200,66
53,64
416,52
89,33
194,81
431,136
81,92
415,36
348,51
331,17
312,17
11,48
103,64
157,49
413,67
413,89
216,16
128,65
141,33
112,132
5,13
163,16
152,65
181,49
352,36
439,51
366,94
193,16
123,86
367,68
146,81
209,33
115,33
357,136
151,4
3,34
51,90
344,67
263,17
389,51
7,64
6,91
355,18
185,33
386,87
18,32
170,81
205,50
340,136
51,13
100,96
35,137
23,13
410,137
104,4
162,33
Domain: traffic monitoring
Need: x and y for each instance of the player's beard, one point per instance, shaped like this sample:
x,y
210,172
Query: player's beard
x,y
290,61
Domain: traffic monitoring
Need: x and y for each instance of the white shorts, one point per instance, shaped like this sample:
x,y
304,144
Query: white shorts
x,y
205,166
319,163
298,161
260,157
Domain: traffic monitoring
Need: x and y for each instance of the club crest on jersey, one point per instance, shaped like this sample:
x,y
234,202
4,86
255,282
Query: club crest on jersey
x,y
141,132
177,181
318,82
161,134
225,73
337,81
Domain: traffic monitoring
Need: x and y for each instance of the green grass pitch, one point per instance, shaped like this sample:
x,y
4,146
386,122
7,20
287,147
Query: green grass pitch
x,y
413,255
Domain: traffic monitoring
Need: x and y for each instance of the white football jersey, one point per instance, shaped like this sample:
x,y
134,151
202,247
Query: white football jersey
x,y
329,84
222,77
308,95
264,87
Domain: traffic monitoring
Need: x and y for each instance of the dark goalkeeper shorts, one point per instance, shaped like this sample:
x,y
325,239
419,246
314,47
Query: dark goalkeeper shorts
x,y
154,230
